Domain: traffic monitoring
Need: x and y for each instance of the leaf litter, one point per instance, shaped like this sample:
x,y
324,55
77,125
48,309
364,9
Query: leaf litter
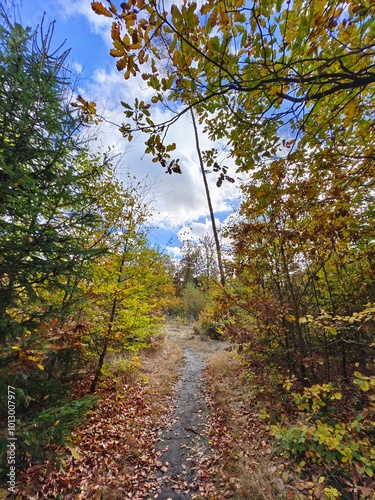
x,y
163,440
136,443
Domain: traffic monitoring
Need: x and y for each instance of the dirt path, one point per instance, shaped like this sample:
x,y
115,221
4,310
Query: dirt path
x,y
184,441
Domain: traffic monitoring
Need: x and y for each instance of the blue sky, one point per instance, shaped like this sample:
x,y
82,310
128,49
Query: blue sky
x,y
83,38
180,206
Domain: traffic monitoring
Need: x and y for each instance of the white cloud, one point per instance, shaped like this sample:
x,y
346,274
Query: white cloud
x,y
77,67
179,200
100,25
61,10
174,252
196,230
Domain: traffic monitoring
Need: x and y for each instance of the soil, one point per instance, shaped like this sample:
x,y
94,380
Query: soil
x,y
184,441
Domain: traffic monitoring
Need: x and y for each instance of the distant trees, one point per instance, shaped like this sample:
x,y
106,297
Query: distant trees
x,y
194,275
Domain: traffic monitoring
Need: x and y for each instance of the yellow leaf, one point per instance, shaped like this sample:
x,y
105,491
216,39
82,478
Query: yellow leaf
x,y
33,358
116,52
99,9
74,452
57,422
126,41
206,8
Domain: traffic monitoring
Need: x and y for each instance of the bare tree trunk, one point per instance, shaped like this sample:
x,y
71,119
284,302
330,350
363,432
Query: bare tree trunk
x,y
103,353
208,196
108,334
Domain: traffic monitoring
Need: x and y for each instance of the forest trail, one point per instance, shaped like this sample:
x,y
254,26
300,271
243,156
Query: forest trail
x,y
165,432
143,440
184,441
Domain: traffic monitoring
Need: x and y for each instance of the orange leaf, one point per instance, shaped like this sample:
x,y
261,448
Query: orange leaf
x,y
121,63
115,32
99,8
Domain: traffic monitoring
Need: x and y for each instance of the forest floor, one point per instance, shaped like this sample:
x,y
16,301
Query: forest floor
x,y
184,426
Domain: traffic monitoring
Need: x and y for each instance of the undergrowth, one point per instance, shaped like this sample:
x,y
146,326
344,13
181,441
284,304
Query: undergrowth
x,y
329,436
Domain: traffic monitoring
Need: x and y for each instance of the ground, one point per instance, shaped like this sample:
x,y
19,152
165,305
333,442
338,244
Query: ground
x,y
180,427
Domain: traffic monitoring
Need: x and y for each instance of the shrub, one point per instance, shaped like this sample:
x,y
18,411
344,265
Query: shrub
x,y
321,436
36,432
193,301
123,370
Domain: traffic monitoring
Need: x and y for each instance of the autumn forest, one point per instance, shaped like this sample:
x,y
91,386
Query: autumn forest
x,y
272,314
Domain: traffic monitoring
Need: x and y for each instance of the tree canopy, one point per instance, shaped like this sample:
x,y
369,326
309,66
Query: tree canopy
x,y
262,75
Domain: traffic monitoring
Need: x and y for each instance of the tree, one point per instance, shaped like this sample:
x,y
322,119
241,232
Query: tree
x,y
44,202
48,218
251,71
209,201
303,268
198,264
130,287
130,293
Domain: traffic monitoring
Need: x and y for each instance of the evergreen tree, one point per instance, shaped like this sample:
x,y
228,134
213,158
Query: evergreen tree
x,y
44,201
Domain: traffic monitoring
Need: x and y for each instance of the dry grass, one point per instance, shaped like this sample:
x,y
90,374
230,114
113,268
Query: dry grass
x,y
250,470
222,363
183,334
226,381
161,367
157,366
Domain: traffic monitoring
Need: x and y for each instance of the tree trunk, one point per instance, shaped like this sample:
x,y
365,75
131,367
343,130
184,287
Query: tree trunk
x,y
98,371
103,353
208,196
